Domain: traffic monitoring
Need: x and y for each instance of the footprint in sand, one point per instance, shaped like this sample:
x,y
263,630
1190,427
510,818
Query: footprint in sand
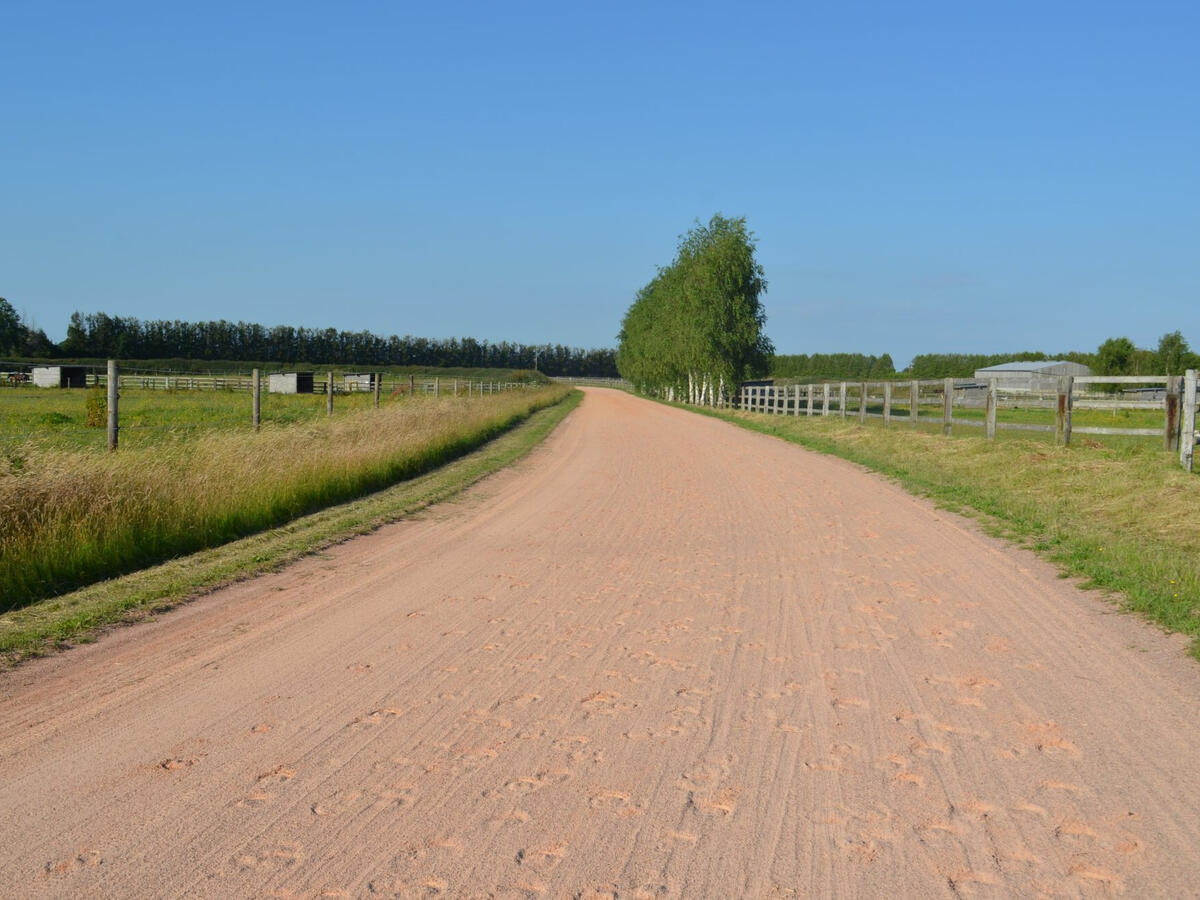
x,y
280,856
175,763
84,859
1047,737
618,802
277,775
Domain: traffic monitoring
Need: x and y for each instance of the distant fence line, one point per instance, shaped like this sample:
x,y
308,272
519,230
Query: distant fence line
x,y
619,383
114,382
901,402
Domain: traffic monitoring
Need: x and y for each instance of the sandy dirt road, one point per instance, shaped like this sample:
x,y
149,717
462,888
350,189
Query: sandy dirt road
x,y
663,656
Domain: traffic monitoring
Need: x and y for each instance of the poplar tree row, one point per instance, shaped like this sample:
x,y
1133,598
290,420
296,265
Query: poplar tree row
x,y
696,330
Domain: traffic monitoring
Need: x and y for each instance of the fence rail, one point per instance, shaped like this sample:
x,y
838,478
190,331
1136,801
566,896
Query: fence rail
x,y
902,401
114,383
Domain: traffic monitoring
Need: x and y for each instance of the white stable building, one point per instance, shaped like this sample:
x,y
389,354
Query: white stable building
x,y
1030,375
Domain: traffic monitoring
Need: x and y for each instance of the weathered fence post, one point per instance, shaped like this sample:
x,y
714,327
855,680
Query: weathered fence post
x,y
378,387
796,407
842,400
412,385
329,395
947,405
862,404
455,387
437,387
809,403
825,399
114,395
1171,404
1187,442
887,404
990,415
1062,411
256,403
914,402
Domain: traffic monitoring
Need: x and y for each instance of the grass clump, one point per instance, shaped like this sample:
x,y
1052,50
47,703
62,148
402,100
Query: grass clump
x,y
1120,516
74,517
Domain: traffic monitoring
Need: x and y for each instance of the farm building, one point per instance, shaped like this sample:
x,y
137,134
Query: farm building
x,y
1040,375
364,381
60,376
290,383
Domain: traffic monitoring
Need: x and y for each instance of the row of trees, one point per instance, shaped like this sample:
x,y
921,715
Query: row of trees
x,y
101,335
697,327
832,366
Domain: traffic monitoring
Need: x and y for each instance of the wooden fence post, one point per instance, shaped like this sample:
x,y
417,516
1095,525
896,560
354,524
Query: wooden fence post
x,y
842,399
914,402
862,404
990,415
378,387
114,395
437,386
329,395
1187,437
809,402
825,399
887,404
412,385
947,405
256,403
1062,411
455,387
796,407
1171,404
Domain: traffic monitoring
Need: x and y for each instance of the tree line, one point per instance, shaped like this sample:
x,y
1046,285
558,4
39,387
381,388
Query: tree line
x,y
99,335
832,366
697,328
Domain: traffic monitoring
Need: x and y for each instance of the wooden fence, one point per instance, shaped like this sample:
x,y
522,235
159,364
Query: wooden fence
x,y
114,383
902,402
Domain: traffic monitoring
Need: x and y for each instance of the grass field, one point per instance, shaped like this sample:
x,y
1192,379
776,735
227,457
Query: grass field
x,y
197,475
1121,516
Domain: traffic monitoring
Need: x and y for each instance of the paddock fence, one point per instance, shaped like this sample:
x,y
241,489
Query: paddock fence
x,y
966,403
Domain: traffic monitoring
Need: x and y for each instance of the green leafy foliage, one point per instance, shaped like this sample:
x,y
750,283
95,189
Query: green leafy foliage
x,y
698,324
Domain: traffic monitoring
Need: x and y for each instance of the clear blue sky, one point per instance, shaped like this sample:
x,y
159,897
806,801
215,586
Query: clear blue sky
x,y
921,176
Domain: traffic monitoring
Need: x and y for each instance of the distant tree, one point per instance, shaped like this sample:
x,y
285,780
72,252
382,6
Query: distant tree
x,y
1173,353
1115,356
11,330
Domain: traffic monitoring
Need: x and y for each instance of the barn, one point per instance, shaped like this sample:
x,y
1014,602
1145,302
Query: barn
x,y
60,376
1030,375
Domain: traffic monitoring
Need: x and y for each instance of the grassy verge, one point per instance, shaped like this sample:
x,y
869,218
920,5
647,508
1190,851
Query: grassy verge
x,y
78,616
1122,518
72,518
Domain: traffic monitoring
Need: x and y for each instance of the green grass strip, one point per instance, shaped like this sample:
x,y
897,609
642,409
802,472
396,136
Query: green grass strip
x,y
80,615
1122,519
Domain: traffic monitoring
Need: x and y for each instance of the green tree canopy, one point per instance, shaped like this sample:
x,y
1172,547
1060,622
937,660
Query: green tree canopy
x,y
698,324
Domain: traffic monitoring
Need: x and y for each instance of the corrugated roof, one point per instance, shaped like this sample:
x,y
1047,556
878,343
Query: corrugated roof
x,y
1031,365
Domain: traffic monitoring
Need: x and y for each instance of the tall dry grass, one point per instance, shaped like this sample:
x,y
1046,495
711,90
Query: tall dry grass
x,y
71,518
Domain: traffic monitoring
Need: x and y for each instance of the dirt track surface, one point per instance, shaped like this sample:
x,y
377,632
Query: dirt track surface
x,y
662,656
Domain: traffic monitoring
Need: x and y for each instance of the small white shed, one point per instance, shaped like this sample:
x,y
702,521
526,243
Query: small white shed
x,y
290,383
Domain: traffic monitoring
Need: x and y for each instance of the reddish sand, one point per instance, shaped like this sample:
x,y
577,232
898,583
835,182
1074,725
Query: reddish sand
x,y
661,656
